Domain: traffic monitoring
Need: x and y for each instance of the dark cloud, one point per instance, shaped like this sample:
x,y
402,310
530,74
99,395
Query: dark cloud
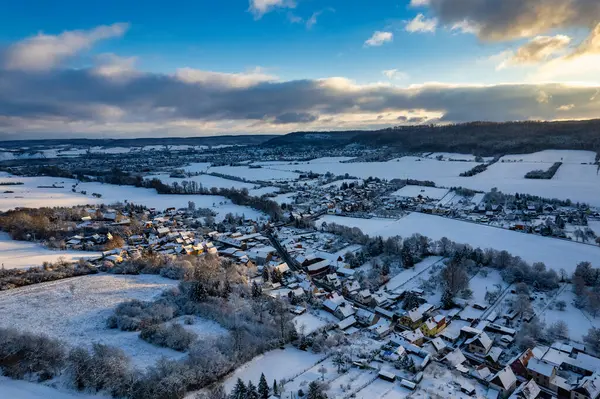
x,y
511,19
85,96
295,117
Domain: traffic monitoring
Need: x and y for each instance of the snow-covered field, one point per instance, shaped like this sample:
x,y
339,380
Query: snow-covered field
x,y
24,254
400,168
206,181
551,156
578,321
572,181
423,191
555,253
80,318
277,365
14,389
31,195
256,174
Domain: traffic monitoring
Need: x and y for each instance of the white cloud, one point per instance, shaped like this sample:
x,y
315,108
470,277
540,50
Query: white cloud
x,y
394,74
114,66
261,7
419,3
379,38
221,79
421,24
537,50
43,52
566,107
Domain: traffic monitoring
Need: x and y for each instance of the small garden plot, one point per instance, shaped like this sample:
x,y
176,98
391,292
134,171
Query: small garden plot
x,y
76,310
410,191
376,389
407,274
354,380
308,323
439,382
578,320
25,254
485,281
276,365
324,370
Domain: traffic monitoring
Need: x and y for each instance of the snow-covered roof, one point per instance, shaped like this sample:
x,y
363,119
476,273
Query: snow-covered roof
x,y
541,367
505,378
455,357
347,322
591,384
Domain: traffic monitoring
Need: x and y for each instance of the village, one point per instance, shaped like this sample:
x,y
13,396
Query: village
x,y
409,331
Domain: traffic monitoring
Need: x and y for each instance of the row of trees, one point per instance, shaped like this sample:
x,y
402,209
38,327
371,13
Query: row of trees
x,y
14,278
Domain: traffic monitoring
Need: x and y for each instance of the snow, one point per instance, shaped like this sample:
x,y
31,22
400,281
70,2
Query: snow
x,y
400,168
423,191
451,156
206,181
338,183
80,319
481,284
555,253
15,389
286,198
276,365
255,174
578,321
30,195
258,192
25,254
197,167
574,181
407,274
551,156
309,322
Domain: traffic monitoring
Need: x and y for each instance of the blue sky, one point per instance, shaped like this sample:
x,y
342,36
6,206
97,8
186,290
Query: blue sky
x,y
385,52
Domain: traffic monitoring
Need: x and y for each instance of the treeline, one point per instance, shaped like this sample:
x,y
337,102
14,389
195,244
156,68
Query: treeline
x,y
11,183
413,249
40,223
544,174
481,138
14,278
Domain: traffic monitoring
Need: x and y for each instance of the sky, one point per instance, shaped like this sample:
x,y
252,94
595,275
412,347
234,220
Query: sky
x,y
194,68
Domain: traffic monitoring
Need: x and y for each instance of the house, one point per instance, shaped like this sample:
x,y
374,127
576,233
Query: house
x,y
387,376
543,373
455,358
433,325
364,297
504,381
519,363
493,355
344,310
480,344
414,337
587,388
527,390
347,323
366,317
